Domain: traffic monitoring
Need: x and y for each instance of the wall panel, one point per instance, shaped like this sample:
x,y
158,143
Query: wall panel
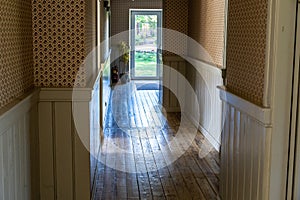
x,y
63,149
170,101
69,126
19,149
46,151
245,150
204,78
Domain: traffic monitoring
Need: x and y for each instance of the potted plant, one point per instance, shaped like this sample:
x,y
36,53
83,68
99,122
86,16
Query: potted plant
x,y
124,51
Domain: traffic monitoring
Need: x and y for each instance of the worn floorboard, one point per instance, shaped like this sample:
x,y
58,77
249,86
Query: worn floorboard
x,y
142,136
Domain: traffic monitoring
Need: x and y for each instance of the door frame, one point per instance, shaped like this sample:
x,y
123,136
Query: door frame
x,y
293,180
159,13
280,59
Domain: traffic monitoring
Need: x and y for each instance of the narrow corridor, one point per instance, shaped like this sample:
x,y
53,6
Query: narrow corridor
x,y
136,125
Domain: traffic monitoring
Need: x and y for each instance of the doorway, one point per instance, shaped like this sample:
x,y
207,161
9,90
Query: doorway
x,y
293,182
145,42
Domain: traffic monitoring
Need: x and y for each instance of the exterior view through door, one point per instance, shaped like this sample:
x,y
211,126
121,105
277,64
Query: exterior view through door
x,y
145,41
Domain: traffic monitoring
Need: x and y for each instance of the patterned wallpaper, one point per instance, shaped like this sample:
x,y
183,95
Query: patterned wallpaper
x,y
90,64
16,60
59,42
206,26
176,14
91,25
246,48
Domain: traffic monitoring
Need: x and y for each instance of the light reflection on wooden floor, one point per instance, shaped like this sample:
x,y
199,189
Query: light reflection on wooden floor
x,y
135,123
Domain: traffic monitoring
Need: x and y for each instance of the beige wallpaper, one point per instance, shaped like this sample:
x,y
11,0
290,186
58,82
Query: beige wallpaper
x,y
91,25
176,14
59,41
206,26
16,60
246,48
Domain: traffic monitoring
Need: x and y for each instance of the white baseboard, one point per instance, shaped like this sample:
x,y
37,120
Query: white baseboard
x,y
206,133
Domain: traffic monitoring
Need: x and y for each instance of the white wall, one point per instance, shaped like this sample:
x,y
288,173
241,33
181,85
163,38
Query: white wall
x,y
170,101
205,78
69,124
19,149
245,150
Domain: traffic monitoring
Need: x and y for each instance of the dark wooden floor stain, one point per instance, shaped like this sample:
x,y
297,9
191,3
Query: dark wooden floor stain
x,y
135,124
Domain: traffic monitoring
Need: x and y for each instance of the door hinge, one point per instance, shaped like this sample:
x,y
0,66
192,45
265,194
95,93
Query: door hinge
x,y
224,76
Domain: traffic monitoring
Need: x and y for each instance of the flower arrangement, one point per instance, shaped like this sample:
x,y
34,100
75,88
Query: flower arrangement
x,y
124,50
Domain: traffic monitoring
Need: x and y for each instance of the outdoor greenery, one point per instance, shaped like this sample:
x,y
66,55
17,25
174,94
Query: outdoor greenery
x,y
147,19
146,26
145,41
145,63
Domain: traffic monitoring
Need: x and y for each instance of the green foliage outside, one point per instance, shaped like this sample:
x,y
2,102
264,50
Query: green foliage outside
x,y
150,34
149,19
145,64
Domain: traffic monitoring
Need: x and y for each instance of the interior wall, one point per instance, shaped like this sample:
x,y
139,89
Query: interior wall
x,y
206,22
91,27
63,35
175,15
19,150
206,26
246,48
16,60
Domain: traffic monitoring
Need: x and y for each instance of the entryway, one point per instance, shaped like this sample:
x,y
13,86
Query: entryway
x,y
145,41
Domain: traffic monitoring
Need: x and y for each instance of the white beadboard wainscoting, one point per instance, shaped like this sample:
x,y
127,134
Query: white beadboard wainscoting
x,y
19,171
245,150
177,63
69,120
205,78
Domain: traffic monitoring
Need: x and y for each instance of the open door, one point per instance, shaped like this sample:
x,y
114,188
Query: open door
x,y
145,42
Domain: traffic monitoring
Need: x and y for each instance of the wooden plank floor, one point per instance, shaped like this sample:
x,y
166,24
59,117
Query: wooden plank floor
x,y
135,124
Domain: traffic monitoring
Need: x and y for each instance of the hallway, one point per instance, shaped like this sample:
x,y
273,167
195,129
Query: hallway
x,y
136,125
